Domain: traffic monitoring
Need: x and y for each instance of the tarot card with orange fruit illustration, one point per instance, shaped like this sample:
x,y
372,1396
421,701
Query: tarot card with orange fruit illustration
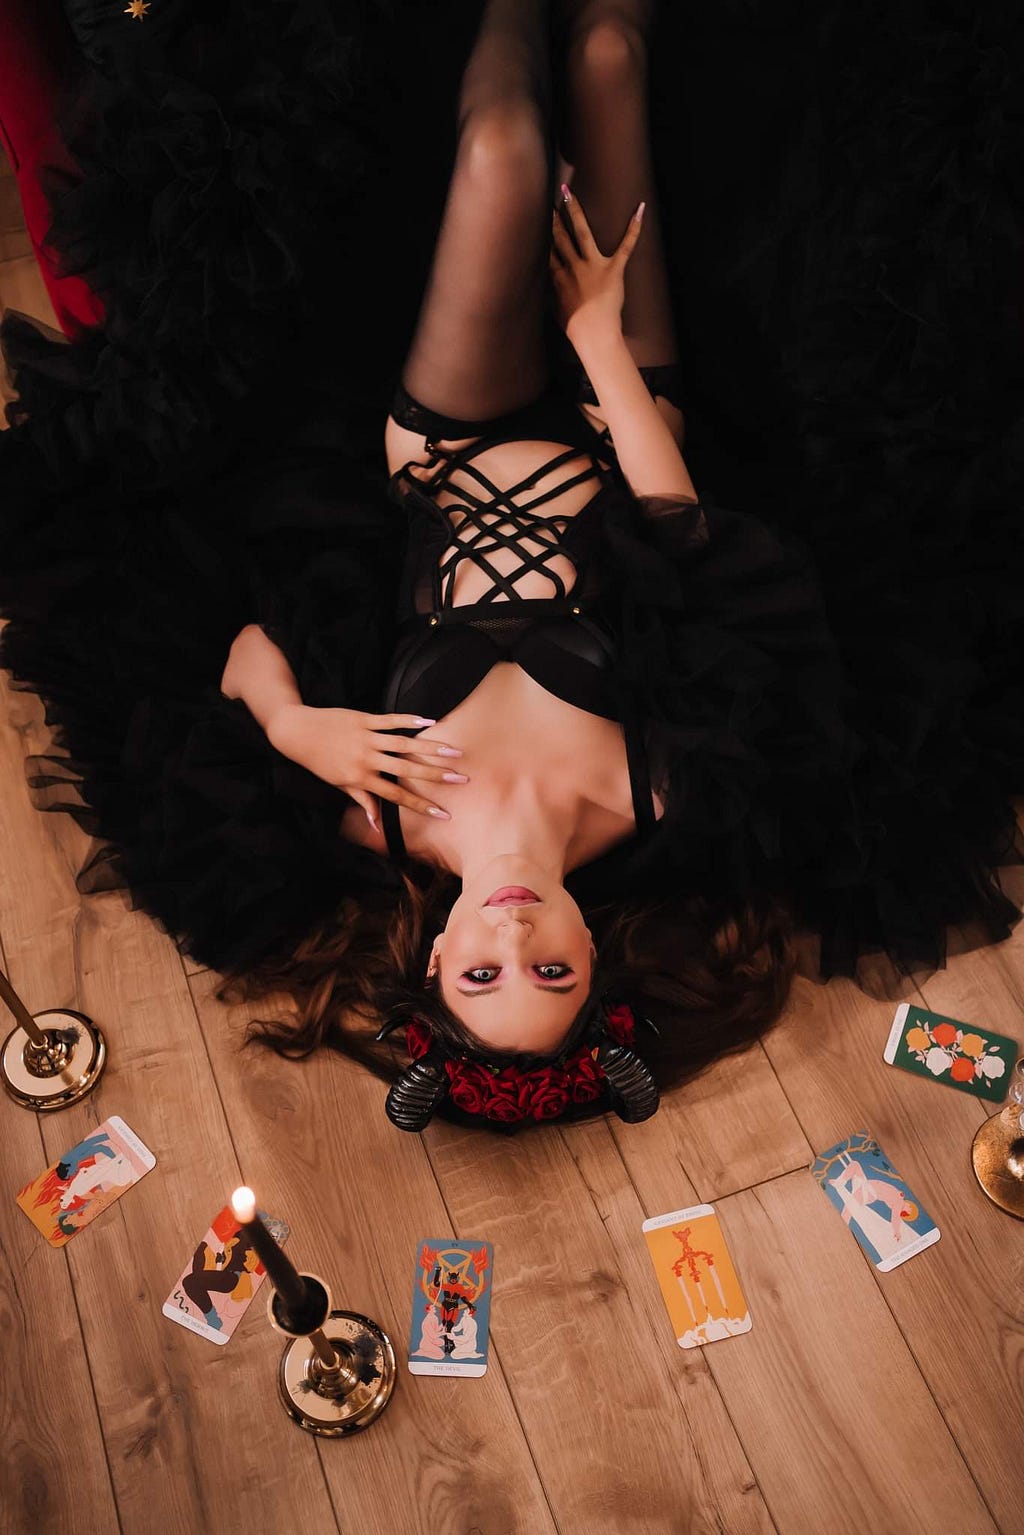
x,y
960,1055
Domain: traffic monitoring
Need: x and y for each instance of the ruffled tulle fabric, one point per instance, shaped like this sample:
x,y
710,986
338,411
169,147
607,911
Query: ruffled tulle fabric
x,y
847,217
234,849
831,676
149,511
205,138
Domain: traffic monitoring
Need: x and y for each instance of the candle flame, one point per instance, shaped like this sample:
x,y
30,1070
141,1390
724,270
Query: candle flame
x,y
243,1204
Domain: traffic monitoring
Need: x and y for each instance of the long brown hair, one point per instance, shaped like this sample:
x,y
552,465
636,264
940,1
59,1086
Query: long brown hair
x,y
712,979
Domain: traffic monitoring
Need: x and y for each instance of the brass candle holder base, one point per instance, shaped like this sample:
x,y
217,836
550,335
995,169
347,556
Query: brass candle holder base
x,y
57,1068
337,1377
997,1157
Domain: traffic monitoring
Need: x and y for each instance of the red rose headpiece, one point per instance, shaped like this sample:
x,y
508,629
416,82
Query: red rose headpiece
x,y
508,1094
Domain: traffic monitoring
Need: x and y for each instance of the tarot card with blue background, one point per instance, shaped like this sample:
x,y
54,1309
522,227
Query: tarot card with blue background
x,y
67,1196
451,1307
874,1201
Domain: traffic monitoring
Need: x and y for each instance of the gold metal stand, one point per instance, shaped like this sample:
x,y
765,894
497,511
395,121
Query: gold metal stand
x,y
997,1156
49,1065
338,1377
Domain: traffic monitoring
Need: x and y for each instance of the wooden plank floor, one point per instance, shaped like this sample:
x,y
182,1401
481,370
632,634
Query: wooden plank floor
x,y
858,1401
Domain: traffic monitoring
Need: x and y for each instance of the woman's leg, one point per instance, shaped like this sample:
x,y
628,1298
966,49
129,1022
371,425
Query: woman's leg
x,y
478,348
608,145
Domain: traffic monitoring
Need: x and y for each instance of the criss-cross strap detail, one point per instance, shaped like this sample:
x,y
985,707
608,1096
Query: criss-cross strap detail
x,y
497,521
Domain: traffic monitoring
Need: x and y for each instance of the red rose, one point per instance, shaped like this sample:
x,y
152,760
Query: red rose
x,y
550,1097
504,1108
418,1039
621,1025
962,1069
524,1092
470,1072
586,1080
944,1034
507,1087
467,1095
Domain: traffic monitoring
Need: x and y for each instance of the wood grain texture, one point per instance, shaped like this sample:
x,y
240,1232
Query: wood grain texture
x,y
360,1196
50,1479
857,1400
760,1139
839,1423
960,1305
890,1403
612,1445
165,1396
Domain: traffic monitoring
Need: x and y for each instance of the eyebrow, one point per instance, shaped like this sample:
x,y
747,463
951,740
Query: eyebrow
x,y
485,991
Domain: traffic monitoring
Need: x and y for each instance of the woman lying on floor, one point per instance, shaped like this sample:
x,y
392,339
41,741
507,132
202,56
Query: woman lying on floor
x,y
580,730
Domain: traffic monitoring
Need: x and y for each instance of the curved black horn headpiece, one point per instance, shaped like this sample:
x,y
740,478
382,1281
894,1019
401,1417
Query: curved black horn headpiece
x,y
633,1090
389,1028
413,1100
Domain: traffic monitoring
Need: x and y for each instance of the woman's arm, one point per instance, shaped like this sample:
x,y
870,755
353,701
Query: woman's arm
x,y
647,452
258,673
346,748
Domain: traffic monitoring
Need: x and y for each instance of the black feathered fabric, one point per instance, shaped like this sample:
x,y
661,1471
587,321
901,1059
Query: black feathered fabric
x,y
833,674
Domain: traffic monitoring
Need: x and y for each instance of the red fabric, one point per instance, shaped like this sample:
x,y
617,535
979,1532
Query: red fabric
x,y
37,55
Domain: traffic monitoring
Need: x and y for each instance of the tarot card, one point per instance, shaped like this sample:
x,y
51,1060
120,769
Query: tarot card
x,y
975,1060
85,1181
451,1307
874,1201
218,1282
699,1284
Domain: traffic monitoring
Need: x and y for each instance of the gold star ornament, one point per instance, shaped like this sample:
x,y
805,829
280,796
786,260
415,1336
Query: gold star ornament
x,y
137,8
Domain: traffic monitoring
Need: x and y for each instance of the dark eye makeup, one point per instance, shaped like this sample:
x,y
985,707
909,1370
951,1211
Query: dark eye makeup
x,y
486,975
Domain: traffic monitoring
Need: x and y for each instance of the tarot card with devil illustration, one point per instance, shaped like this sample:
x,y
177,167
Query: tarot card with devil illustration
x,y
451,1307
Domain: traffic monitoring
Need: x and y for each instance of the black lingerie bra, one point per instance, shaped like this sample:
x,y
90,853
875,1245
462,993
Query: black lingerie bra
x,y
567,641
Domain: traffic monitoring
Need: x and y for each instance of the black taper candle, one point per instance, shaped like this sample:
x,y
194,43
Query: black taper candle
x,y
283,1275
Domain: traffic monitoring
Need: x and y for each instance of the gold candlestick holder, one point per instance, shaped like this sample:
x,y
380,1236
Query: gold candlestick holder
x,y
997,1154
52,1064
338,1371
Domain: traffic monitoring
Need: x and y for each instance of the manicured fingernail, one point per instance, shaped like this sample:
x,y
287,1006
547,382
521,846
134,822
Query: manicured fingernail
x,y
566,194
372,822
455,778
638,215
442,814
448,751
419,720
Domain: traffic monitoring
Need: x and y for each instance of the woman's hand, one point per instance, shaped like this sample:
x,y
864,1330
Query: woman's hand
x,y
350,751
590,288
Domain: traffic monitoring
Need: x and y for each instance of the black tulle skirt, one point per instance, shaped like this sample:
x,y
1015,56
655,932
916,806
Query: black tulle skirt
x,y
843,195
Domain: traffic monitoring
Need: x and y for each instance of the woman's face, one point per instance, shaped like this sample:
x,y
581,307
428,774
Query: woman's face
x,y
515,958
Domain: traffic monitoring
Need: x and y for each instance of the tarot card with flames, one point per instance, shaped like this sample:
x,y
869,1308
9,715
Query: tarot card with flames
x,y
451,1307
